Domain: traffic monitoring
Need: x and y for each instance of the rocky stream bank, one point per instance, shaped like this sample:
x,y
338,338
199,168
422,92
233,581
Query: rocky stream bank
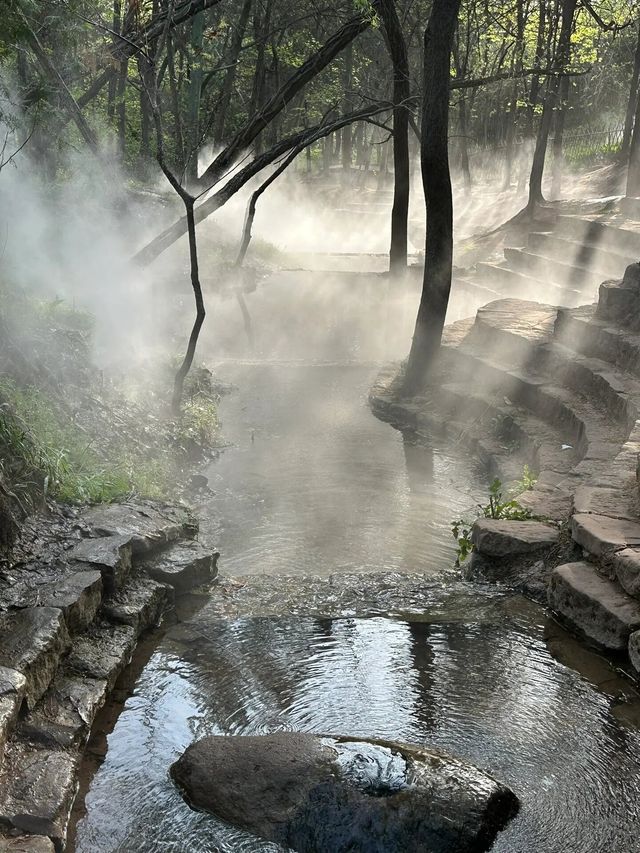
x,y
86,586
557,390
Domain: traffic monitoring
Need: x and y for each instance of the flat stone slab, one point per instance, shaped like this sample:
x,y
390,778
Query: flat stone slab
x,y
140,603
102,653
148,526
501,538
12,688
600,534
78,596
626,564
594,604
184,566
38,799
65,714
318,794
110,555
32,641
600,500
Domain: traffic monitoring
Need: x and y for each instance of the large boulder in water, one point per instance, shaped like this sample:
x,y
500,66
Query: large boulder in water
x,y
332,794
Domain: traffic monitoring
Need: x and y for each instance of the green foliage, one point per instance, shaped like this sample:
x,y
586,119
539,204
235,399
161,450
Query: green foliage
x,y
50,452
499,506
528,481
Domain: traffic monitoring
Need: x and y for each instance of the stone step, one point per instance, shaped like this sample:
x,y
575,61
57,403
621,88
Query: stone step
x,y
519,285
520,334
607,263
603,231
140,603
618,303
103,652
593,378
65,714
601,535
587,429
561,273
591,335
541,446
595,605
38,799
183,567
503,538
78,596
32,641
111,555
147,528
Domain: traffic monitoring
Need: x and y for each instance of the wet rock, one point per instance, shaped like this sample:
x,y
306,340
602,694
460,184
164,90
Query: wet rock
x,y
600,534
315,794
38,799
110,555
78,596
65,714
140,603
27,844
594,604
500,538
634,650
183,567
626,564
12,687
32,641
103,652
148,526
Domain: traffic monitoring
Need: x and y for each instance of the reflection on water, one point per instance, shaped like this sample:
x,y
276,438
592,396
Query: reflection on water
x,y
487,690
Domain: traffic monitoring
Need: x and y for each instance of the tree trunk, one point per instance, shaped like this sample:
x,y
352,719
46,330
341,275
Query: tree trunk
x,y
558,136
397,47
347,75
631,103
436,179
633,173
563,54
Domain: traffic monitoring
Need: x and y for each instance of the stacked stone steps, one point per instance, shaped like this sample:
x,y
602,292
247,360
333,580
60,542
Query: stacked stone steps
x,y
520,438
611,233
606,263
60,660
522,285
592,335
569,276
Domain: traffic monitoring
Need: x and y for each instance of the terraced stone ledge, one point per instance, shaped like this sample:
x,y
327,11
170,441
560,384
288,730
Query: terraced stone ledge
x,y
72,611
557,389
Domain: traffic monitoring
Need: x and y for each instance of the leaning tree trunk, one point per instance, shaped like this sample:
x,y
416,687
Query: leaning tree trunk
x,y
436,179
401,90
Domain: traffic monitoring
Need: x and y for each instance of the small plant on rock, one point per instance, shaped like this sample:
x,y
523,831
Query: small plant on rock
x,y
498,507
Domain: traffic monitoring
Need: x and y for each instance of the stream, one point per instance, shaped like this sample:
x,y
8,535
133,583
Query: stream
x,y
339,610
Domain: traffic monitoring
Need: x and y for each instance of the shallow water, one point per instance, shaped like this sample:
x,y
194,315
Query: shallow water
x,y
313,493
339,609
